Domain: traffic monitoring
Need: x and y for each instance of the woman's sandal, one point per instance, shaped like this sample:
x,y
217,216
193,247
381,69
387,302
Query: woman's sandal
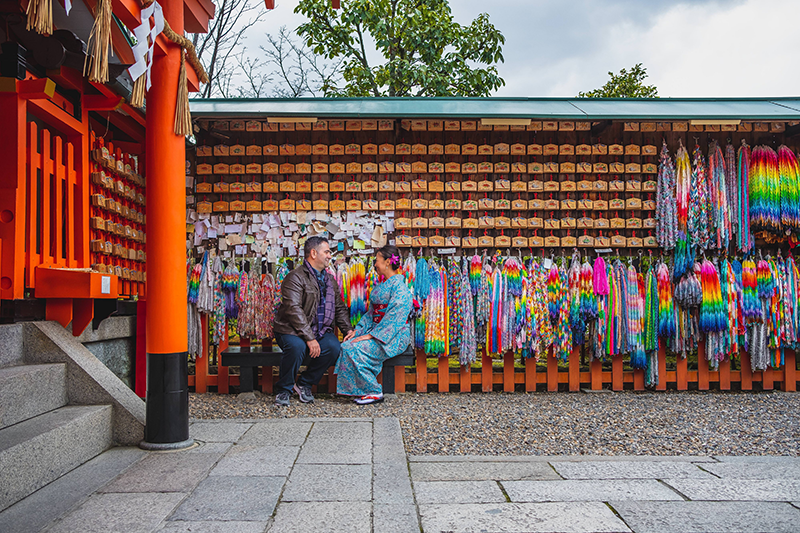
x,y
368,399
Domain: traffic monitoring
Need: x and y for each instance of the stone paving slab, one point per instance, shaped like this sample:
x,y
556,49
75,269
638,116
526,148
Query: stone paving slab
x,y
391,484
755,470
246,498
131,513
249,460
477,471
768,490
431,492
329,483
387,441
341,431
219,448
164,472
277,433
630,470
323,517
757,459
709,517
336,451
521,518
394,518
214,527
558,458
589,490
223,431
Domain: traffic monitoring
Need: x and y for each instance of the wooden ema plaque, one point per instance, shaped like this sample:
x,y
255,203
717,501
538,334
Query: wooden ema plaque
x,y
469,242
453,222
436,240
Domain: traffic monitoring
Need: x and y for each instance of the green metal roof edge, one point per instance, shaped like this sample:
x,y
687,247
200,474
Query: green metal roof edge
x,y
748,108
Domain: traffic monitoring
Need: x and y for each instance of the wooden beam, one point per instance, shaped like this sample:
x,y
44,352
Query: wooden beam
x,y
102,102
55,116
68,78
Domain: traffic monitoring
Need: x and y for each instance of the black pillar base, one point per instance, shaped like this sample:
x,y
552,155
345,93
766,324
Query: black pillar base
x,y
167,425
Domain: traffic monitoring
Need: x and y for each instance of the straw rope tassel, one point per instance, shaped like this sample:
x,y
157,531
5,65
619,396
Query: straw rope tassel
x,y
138,93
183,116
96,62
40,16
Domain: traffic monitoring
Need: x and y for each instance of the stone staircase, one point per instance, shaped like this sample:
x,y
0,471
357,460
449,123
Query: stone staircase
x,y
59,408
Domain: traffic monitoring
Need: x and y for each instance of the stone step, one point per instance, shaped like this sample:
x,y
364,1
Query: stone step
x,y
11,347
33,513
27,391
39,450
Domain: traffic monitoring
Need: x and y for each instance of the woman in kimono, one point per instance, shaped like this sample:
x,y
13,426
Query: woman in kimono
x,y
381,334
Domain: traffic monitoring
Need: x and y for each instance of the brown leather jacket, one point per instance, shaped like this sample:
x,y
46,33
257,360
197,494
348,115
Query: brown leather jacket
x,y
299,300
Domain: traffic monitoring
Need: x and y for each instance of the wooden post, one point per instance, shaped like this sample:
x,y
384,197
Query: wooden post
x,y
552,372
702,367
530,374
662,367
682,373
575,369
422,372
616,374
638,379
399,379
508,372
767,379
167,370
465,381
746,370
789,371
486,372
596,372
12,195
444,374
222,371
725,374
201,362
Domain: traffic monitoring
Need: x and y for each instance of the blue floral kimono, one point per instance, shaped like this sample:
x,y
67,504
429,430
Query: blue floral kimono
x,y
387,321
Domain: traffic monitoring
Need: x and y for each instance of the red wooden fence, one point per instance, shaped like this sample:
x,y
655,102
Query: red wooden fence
x,y
545,376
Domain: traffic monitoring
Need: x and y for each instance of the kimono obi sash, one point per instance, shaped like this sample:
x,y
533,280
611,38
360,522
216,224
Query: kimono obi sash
x,y
378,311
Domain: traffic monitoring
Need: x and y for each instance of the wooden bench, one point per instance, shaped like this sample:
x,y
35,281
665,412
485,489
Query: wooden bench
x,y
249,357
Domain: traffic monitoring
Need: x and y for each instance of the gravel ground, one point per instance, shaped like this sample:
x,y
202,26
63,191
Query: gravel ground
x,y
622,423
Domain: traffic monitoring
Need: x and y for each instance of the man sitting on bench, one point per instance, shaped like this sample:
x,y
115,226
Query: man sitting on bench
x,y
311,308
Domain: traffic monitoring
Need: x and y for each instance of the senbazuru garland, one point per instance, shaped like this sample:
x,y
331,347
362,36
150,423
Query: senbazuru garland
x,y
713,286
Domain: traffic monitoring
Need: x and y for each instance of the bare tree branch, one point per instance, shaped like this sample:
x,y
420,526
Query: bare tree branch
x,y
216,48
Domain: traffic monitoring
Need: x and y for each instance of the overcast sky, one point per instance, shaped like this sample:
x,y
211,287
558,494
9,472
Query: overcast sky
x,y
690,48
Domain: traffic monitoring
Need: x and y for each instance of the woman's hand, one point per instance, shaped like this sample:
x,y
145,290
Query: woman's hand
x,y
350,335
362,338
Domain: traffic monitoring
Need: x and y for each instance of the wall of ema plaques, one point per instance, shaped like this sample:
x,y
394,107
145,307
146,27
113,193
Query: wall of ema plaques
x,y
457,183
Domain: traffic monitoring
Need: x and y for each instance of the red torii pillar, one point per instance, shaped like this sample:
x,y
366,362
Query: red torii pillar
x,y
167,425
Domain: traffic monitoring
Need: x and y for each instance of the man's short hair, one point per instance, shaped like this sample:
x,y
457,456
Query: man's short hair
x,y
312,243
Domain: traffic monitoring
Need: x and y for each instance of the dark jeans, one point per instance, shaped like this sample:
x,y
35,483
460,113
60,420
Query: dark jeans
x,y
295,350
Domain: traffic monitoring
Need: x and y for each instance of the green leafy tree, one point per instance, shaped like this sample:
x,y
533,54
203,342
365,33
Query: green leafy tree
x,y
423,51
625,85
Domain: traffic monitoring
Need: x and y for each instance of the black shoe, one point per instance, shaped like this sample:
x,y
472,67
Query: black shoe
x,y
304,393
282,399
